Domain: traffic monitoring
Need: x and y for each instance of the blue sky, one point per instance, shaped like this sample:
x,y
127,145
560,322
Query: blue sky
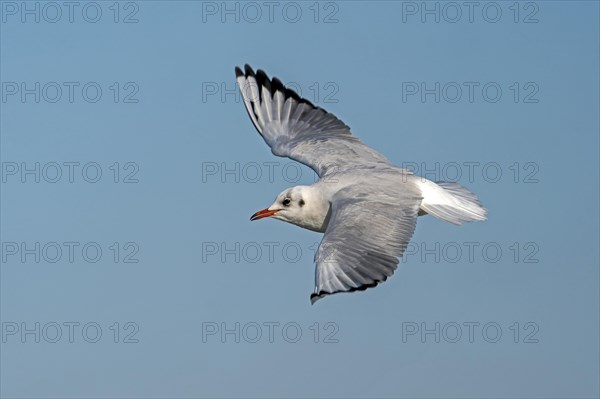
x,y
128,254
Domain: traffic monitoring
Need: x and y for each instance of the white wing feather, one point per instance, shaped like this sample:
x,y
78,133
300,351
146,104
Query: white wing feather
x,y
295,128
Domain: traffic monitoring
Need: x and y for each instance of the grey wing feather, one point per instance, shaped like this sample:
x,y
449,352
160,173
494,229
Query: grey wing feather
x,y
365,236
293,127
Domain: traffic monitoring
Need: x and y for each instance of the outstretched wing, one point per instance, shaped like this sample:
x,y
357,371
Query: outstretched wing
x,y
293,127
364,238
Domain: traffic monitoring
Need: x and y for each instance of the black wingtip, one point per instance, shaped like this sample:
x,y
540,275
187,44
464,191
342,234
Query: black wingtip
x,y
272,85
238,72
277,85
248,69
263,80
314,297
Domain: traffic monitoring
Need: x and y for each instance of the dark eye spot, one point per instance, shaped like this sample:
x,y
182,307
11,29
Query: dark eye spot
x,y
286,202
301,203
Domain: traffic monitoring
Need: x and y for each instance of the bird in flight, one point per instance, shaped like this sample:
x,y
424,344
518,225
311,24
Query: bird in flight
x,y
366,207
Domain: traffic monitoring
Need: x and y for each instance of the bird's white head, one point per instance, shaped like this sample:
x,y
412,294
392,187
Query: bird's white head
x,y
303,206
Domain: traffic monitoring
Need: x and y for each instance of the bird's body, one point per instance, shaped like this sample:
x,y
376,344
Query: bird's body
x,y
366,206
318,197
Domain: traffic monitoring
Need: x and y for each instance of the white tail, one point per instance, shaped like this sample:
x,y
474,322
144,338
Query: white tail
x,y
451,202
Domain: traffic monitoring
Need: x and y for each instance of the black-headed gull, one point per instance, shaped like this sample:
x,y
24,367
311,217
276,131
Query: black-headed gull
x,y
366,207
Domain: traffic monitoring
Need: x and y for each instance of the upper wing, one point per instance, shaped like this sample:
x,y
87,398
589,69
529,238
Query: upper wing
x,y
364,238
295,128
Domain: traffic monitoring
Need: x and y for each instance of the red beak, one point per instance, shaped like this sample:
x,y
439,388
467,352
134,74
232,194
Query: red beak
x,y
265,213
